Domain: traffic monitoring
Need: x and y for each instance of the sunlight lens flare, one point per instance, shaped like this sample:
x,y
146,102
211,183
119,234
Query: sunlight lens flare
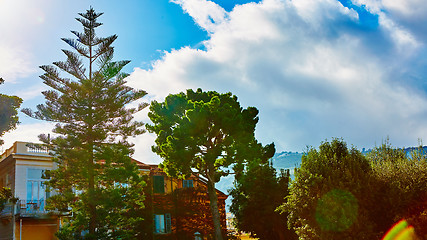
x,y
401,231
337,210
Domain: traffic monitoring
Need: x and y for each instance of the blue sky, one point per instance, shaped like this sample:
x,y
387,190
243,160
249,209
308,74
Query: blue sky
x,y
315,69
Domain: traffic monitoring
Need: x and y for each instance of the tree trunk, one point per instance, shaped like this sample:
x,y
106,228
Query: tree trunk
x,y
213,199
91,180
91,193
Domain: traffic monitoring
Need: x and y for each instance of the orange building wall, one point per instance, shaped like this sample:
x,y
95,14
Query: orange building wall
x,y
37,229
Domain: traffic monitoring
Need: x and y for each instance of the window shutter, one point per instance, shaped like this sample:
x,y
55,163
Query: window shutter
x,y
168,223
158,184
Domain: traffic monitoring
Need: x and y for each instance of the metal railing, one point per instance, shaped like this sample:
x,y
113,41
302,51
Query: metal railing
x,y
25,208
7,210
32,207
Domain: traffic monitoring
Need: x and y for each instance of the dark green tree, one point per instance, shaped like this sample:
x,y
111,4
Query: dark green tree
x,y
8,112
5,197
257,192
95,177
331,196
206,132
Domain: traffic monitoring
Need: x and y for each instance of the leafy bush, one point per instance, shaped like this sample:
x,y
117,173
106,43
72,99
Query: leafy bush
x,y
330,196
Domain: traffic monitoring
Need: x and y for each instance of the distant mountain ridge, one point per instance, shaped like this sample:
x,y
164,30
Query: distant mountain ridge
x,y
287,160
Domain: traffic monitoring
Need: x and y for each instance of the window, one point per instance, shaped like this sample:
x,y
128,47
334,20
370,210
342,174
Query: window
x,y
162,223
158,184
198,236
8,180
36,189
187,183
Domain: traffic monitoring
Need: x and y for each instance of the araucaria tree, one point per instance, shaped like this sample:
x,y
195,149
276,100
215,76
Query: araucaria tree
x,y
203,133
95,177
8,112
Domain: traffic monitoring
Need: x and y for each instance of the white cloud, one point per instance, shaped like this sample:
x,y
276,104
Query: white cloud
x,y
30,93
304,67
206,14
402,19
319,12
21,21
142,148
26,133
407,8
14,62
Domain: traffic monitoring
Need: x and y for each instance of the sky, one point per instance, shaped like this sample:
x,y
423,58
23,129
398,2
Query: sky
x,y
315,69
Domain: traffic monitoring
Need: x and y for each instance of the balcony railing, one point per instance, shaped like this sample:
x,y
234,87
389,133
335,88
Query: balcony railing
x,y
26,208
7,210
32,207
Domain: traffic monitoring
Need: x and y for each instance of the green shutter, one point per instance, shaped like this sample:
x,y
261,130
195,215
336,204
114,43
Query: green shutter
x,y
159,184
168,223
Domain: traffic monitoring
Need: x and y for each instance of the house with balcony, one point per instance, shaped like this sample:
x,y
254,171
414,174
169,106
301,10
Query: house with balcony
x,y
21,169
176,208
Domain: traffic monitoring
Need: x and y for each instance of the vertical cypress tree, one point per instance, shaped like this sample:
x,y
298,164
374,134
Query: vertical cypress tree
x,y
95,177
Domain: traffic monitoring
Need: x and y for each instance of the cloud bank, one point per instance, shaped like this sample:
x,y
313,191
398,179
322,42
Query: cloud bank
x,y
310,66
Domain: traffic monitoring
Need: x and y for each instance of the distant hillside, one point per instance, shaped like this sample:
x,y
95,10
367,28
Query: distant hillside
x,y
287,160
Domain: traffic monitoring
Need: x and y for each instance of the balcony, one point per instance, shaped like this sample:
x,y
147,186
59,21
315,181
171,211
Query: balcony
x,y
28,209
7,211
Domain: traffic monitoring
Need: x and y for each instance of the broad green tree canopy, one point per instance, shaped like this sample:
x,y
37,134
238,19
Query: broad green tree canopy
x,y
8,112
204,133
330,196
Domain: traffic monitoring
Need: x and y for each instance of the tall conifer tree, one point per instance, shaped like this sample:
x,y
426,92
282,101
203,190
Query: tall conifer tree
x,y
95,177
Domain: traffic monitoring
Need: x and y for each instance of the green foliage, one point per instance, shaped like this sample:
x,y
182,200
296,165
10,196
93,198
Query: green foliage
x,y
330,196
201,130
5,197
8,112
340,194
257,192
205,131
402,179
336,210
95,176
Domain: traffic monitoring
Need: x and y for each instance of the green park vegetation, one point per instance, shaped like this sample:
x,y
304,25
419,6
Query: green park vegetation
x,y
337,192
